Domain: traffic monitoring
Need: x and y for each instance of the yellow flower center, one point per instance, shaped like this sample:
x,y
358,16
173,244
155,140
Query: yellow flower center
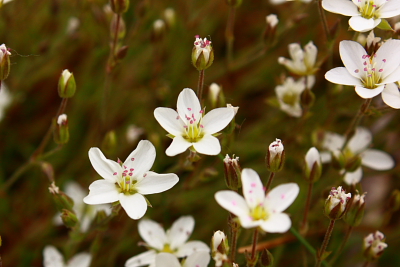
x,y
368,9
167,249
290,98
259,213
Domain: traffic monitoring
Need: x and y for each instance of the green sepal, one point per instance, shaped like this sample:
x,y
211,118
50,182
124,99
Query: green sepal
x,y
384,25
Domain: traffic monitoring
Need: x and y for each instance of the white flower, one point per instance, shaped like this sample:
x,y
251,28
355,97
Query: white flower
x,y
84,213
197,259
272,20
188,126
173,241
288,96
369,74
313,167
132,133
337,197
374,245
53,258
365,14
5,99
256,209
356,147
128,182
62,119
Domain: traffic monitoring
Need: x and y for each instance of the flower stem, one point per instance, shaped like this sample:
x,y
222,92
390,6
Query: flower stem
x,y
346,237
114,45
321,251
234,236
200,85
304,223
323,20
229,35
253,259
271,177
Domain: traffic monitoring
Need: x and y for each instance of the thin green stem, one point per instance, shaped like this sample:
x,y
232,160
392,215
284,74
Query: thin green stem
x,y
324,245
116,33
304,223
271,177
345,239
229,34
323,20
253,259
234,236
200,85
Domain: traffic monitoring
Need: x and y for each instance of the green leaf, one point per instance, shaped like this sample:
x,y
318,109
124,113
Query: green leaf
x,y
384,25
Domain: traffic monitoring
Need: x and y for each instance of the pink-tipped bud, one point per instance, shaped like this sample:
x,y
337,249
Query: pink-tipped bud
x,y
336,203
374,245
202,53
232,173
275,156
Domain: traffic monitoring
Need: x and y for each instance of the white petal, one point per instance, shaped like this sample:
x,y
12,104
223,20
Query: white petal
x,y
180,231
325,157
277,223
377,160
76,192
101,192
253,190
390,53
232,202
390,9
52,257
247,222
141,159
369,93
312,156
178,145
80,260
341,75
155,183
103,166
142,259
152,233
360,24
360,141
217,119
167,260
208,145
344,7
351,54
392,77
353,177
333,141
188,104
134,205
169,120
391,95
191,247
281,197
197,259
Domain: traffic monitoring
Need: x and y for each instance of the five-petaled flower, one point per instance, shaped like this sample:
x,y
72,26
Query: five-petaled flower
x,y
197,259
189,128
369,73
173,241
53,258
288,95
365,14
127,182
257,209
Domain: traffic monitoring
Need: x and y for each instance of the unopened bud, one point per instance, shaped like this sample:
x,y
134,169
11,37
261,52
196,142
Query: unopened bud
x,y
109,142
69,218
275,156
266,258
394,201
4,62
313,166
220,248
232,173
62,200
66,84
213,94
270,31
374,245
202,53
355,212
61,132
119,6
336,203
158,30
307,98
169,16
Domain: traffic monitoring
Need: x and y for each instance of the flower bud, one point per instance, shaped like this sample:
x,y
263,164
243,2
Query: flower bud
x,y
213,94
119,6
313,166
69,218
232,173
266,258
109,142
66,84
336,203
62,200
220,248
202,53
169,16
275,156
394,201
355,212
374,245
159,29
4,62
61,132
269,34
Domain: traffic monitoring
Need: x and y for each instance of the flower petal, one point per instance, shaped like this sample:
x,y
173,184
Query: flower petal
x,y
325,156
232,202
152,233
333,141
341,75
253,190
369,93
134,205
141,159
167,260
391,95
169,120
103,166
281,197
180,231
361,24
247,222
101,192
392,77
191,247
197,259
208,145
155,183
277,223
353,177
188,105
352,54
142,259
360,140
344,7
178,145
80,260
312,156
217,119
52,257
387,58
377,160
389,9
